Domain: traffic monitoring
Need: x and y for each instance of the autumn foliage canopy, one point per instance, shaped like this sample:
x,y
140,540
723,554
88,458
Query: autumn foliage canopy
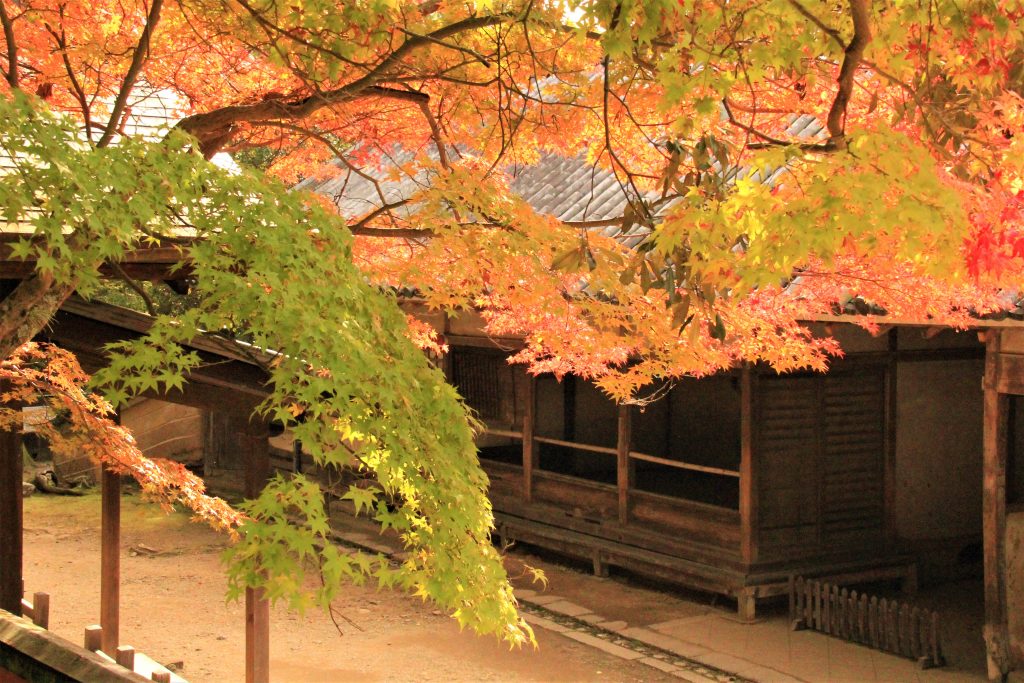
x,y
905,195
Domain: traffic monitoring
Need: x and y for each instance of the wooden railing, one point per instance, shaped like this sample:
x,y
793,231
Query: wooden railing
x,y
682,465
504,432
38,610
606,450
885,625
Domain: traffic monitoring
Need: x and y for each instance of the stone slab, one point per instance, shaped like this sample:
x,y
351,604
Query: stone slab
x,y
546,624
603,645
567,608
658,664
673,645
543,599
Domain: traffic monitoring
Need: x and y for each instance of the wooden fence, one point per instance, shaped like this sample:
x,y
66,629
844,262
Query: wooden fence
x,y
886,625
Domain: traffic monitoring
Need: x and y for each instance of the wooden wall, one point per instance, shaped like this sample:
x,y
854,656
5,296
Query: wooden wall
x,y
167,430
820,443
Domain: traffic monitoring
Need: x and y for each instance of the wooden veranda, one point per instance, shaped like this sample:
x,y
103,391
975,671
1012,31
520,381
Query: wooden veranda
x,y
810,487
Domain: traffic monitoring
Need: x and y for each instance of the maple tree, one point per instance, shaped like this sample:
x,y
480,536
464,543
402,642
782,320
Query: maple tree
x,y
906,195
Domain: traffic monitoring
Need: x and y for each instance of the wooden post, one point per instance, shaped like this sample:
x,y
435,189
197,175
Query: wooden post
x,y
746,604
748,471
994,515
257,609
889,471
41,610
110,560
161,676
93,637
296,456
11,580
622,461
529,446
125,656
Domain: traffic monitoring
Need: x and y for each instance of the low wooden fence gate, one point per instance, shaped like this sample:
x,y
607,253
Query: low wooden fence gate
x,y
886,625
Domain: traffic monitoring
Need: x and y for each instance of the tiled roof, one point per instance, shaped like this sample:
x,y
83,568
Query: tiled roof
x,y
569,189
149,114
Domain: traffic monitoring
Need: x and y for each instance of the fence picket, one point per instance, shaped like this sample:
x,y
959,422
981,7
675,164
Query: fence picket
x,y
886,625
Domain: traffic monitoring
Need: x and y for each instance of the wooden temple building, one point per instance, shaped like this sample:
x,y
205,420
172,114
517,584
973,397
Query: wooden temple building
x,y
897,463
902,461
735,482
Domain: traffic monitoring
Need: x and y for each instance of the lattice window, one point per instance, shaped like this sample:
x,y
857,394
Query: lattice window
x,y
480,378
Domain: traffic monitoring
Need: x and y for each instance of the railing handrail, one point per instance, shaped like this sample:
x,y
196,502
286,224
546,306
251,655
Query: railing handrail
x,y
680,464
579,446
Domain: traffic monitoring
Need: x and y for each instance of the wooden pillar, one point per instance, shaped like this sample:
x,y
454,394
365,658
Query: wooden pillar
x,y
569,408
889,471
529,445
11,580
110,561
257,610
993,508
748,470
622,461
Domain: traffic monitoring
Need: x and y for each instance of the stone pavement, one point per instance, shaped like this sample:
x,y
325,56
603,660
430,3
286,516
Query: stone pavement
x,y
766,651
704,643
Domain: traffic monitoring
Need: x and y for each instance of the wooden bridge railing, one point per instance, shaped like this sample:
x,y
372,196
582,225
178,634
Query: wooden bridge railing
x,y
38,610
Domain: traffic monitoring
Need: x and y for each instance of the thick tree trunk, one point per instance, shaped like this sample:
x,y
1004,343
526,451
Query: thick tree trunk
x,y
25,312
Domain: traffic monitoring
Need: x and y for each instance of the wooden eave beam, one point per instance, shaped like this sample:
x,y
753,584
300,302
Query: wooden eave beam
x,y
145,263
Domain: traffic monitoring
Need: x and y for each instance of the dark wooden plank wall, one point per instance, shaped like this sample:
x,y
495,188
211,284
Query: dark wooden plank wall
x,y
821,443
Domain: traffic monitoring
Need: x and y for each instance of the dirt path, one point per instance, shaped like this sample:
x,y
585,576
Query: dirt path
x,y
173,609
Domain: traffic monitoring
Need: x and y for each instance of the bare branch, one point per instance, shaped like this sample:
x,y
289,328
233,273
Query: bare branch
x,y
139,58
854,54
770,141
451,46
136,287
213,125
403,233
811,17
435,133
11,75
76,86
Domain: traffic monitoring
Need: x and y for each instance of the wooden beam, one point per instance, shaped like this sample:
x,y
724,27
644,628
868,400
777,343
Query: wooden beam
x,y
11,519
529,445
144,263
994,515
110,561
257,609
748,472
622,461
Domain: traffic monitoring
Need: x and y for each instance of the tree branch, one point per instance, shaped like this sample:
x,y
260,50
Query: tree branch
x,y
136,287
853,56
435,133
138,59
210,126
11,75
403,233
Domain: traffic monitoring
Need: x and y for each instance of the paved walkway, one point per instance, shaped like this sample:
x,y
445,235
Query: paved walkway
x,y
692,641
766,651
